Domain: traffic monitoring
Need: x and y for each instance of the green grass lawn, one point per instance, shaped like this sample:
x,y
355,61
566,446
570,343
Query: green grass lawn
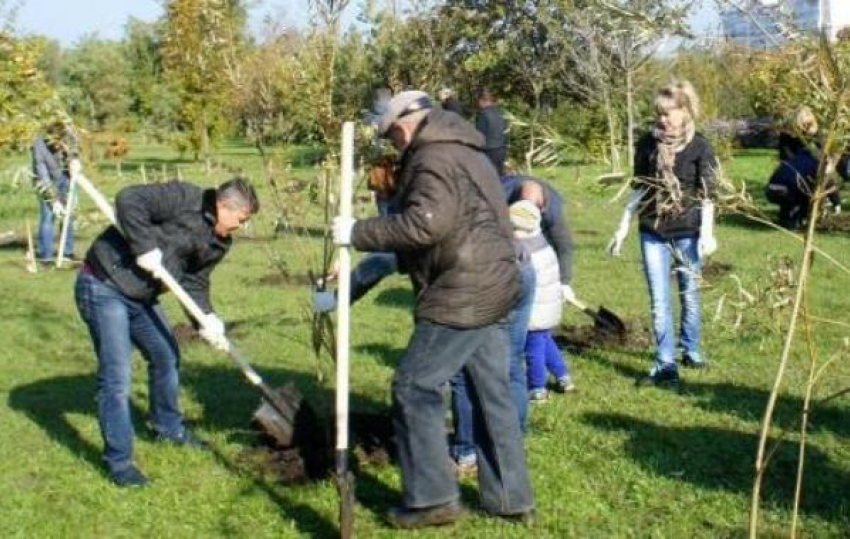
x,y
607,461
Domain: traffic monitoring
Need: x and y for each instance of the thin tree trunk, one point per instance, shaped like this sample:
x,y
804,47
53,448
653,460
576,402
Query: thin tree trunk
x,y
801,457
205,143
630,112
612,133
529,155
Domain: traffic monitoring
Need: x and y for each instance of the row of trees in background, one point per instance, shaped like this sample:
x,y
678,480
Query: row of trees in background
x,y
583,69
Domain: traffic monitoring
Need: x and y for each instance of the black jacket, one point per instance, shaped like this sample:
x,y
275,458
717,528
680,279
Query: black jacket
x,y
798,174
695,167
176,217
491,124
452,234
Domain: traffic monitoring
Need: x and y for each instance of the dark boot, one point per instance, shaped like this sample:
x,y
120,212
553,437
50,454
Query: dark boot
x,y
129,477
437,515
667,378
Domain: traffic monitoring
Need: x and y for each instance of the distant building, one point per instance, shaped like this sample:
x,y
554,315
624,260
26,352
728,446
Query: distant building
x,y
769,20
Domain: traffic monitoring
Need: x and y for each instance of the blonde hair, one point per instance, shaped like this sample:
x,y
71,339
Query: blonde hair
x,y
805,122
679,94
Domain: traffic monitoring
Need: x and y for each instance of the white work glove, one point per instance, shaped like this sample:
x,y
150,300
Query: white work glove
x,y
74,166
58,209
837,209
615,246
707,244
567,293
151,262
212,331
342,227
324,302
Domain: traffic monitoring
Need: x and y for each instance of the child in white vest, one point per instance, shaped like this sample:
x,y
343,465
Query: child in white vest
x,y
541,352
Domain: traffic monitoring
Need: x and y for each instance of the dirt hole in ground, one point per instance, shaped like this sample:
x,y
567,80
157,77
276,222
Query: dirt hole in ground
x,y
714,270
835,223
280,279
311,456
185,332
576,339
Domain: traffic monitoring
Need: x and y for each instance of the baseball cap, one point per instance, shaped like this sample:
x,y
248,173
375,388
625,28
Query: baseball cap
x,y
402,104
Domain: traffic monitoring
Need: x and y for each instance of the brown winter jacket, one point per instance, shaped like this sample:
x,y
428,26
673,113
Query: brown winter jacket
x,y
452,234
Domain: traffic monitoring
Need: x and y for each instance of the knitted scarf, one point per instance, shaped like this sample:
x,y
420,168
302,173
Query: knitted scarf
x,y
669,196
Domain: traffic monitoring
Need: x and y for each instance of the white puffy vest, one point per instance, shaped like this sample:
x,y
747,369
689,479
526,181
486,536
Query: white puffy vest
x,y
548,300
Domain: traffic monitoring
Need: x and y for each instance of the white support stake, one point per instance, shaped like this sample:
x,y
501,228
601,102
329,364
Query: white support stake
x,y
344,290
32,263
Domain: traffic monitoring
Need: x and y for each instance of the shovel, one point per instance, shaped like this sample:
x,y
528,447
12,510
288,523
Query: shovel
x,y
282,405
604,320
344,478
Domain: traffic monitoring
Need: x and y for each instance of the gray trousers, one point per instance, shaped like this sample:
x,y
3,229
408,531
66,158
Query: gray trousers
x,y
434,355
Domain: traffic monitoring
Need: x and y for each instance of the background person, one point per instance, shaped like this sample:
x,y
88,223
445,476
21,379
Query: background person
x,y
792,184
175,227
50,180
674,181
490,123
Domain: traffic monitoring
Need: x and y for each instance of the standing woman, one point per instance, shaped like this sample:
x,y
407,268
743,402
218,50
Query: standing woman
x,y
674,183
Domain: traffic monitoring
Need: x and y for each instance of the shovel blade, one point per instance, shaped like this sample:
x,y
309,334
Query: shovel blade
x,y
608,322
279,421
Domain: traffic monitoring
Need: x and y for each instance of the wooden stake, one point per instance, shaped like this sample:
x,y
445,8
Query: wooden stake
x,y
32,265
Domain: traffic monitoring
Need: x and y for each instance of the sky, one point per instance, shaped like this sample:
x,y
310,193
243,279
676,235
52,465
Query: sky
x,y
69,20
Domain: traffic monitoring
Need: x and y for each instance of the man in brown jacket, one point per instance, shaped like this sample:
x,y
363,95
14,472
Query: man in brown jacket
x,y
453,237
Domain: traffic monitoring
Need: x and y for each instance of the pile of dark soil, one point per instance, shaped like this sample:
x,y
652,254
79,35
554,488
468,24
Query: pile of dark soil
x,y
835,223
311,456
185,332
714,270
576,339
280,279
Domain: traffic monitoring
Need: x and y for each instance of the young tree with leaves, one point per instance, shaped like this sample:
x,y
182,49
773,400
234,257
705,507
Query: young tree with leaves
x,y
203,40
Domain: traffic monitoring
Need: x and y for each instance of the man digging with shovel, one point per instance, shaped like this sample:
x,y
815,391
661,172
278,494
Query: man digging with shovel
x,y
177,228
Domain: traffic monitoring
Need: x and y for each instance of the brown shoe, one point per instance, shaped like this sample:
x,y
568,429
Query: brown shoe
x,y
437,515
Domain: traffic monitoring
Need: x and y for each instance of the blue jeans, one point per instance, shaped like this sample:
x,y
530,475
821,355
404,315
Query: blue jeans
x,y
542,355
115,323
464,443
44,249
370,271
434,355
659,257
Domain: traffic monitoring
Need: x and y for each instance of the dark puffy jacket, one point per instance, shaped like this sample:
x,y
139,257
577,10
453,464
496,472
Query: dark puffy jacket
x,y
452,234
176,217
695,167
